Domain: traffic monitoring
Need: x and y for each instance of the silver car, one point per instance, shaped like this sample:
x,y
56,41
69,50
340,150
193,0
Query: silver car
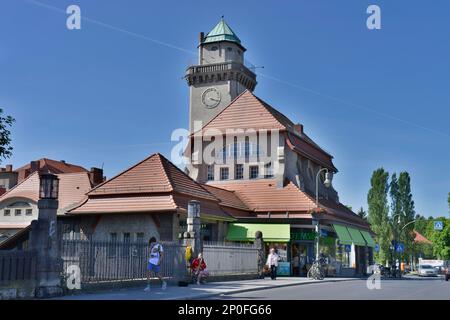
x,y
427,271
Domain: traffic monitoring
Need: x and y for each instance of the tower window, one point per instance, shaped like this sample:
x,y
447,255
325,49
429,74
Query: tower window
x,y
215,48
210,173
239,172
18,212
224,173
230,49
7,212
29,212
254,172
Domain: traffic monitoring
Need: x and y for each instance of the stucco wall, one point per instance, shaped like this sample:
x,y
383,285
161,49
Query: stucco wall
x,y
120,223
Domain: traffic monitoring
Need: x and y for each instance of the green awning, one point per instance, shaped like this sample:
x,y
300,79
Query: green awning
x,y
271,232
357,237
368,238
343,234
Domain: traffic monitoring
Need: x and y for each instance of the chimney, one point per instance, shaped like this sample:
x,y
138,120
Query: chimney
x,y
96,176
201,37
9,168
34,166
298,128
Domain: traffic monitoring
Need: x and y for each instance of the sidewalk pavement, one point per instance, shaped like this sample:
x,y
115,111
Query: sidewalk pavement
x,y
194,291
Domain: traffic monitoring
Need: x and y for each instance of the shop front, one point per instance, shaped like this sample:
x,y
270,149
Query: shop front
x,y
346,250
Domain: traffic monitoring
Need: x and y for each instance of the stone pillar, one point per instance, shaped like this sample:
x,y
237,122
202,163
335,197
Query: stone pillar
x,y
259,244
193,227
44,240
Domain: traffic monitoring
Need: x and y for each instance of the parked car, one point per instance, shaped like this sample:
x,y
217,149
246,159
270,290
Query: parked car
x,y
426,270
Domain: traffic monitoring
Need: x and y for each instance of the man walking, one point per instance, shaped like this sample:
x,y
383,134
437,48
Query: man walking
x,y
154,263
272,262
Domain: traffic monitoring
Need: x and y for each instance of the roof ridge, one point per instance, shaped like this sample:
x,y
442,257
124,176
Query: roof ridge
x,y
123,172
168,162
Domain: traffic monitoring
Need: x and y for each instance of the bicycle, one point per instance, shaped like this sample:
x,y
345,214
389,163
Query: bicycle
x,y
316,271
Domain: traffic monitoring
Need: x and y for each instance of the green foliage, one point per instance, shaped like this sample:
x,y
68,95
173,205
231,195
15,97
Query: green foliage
x,y
407,212
379,211
5,136
362,213
441,240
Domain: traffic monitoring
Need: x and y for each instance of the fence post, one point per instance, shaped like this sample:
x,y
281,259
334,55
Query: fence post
x,y
259,244
44,241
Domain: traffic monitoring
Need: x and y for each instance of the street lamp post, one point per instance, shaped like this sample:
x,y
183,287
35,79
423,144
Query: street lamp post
x,y
327,183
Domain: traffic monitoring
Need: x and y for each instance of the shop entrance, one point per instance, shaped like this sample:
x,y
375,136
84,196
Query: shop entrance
x,y
301,257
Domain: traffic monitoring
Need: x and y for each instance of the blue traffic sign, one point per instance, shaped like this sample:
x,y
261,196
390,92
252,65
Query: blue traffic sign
x,y
438,225
400,247
377,247
348,248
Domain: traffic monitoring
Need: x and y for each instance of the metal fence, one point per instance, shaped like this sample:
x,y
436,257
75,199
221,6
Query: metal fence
x,y
108,261
102,261
17,266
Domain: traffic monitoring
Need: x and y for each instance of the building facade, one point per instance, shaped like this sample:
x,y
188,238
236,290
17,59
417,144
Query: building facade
x,y
272,170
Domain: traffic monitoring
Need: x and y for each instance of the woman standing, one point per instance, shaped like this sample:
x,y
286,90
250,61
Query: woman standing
x,y
272,262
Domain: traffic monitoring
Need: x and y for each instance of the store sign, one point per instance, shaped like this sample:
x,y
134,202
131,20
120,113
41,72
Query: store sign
x,y
303,236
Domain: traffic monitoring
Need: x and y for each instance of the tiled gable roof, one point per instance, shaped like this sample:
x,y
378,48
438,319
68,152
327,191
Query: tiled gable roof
x,y
154,174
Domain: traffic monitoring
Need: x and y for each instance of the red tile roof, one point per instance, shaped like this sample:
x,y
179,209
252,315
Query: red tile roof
x,y
154,184
72,189
263,196
418,238
247,111
49,166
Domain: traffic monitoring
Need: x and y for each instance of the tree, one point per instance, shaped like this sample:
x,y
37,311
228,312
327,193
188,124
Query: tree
x,y
379,213
407,212
362,214
5,136
441,241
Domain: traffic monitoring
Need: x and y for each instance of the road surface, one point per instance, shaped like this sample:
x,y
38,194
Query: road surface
x,y
404,289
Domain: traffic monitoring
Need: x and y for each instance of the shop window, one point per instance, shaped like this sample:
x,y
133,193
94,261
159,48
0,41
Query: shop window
x,y
239,172
224,174
254,172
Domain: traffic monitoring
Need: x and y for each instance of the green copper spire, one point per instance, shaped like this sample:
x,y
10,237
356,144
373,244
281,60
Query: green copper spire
x,y
221,32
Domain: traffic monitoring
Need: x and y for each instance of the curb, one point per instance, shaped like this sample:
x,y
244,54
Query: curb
x,y
208,295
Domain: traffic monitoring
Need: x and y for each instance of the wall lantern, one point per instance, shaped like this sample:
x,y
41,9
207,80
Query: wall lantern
x,y
194,209
48,186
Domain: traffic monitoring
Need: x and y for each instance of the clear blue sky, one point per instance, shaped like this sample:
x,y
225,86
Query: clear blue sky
x,y
112,92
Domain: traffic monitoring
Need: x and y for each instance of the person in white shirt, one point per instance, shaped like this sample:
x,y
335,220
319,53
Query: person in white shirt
x,y
272,262
154,263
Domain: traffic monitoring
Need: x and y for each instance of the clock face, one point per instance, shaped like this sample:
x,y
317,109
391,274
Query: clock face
x,y
211,98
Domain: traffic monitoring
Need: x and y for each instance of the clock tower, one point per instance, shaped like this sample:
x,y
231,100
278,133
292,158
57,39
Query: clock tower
x,y
220,75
